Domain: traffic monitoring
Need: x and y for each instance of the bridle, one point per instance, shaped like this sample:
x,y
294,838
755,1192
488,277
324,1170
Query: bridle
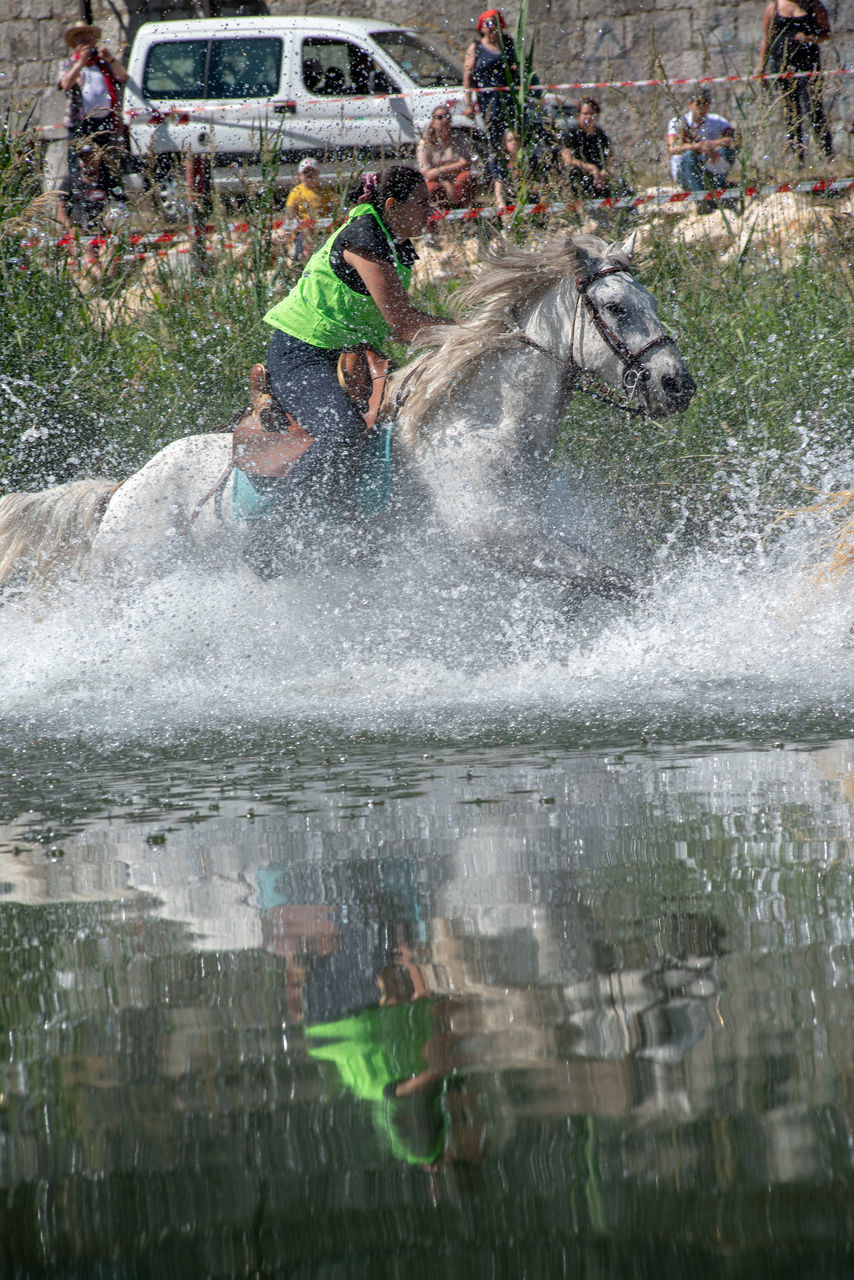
x,y
575,375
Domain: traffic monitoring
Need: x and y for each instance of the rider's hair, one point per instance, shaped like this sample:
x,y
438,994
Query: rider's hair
x,y
397,182
587,101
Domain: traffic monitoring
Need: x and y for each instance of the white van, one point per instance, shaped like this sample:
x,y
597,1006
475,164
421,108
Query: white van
x,y
325,87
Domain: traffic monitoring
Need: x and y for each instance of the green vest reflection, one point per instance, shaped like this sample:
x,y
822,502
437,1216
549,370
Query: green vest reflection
x,y
381,1055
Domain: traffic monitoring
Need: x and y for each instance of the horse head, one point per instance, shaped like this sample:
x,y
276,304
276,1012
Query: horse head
x,y
615,334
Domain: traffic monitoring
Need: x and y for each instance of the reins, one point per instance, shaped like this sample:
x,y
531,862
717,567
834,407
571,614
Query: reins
x,y
576,375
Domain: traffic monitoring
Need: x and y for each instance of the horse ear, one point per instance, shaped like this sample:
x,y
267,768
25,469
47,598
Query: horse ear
x,y
627,248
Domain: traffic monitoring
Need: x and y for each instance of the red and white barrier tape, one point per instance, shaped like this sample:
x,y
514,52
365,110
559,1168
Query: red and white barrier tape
x,y
684,198
182,115
141,243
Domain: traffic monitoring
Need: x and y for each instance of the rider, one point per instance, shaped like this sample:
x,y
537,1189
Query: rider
x,y
352,291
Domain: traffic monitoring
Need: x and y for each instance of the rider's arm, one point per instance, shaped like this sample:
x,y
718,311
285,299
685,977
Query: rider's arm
x,y
382,283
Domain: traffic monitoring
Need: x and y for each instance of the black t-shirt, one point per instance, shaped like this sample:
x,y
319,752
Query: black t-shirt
x,y
591,148
365,235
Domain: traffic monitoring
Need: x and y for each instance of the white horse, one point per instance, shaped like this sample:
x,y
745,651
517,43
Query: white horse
x,y
476,431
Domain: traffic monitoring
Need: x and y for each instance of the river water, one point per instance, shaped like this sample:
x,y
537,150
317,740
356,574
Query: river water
x,y
383,922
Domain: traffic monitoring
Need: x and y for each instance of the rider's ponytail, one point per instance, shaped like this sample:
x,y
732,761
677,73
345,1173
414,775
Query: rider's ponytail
x,y
397,182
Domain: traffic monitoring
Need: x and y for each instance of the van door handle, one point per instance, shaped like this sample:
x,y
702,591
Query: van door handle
x,y
285,108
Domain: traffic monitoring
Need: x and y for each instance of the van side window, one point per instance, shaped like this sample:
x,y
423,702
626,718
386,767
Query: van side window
x,y
337,68
244,68
175,69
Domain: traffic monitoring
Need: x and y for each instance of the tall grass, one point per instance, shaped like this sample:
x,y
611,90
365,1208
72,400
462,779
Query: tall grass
x,y
99,370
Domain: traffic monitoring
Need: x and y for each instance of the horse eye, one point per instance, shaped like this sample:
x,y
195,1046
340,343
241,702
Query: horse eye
x,y
618,310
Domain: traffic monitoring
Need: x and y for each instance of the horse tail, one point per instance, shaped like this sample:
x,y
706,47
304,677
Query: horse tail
x,y
43,535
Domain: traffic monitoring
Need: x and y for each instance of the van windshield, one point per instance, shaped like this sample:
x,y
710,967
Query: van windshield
x,y
424,65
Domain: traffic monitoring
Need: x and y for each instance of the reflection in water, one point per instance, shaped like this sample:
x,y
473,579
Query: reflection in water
x,y
488,1011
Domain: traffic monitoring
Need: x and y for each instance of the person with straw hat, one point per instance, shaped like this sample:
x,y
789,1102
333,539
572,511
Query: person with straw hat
x,y
91,77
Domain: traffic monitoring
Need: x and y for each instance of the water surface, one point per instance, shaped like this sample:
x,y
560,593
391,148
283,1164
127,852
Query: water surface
x,y
389,924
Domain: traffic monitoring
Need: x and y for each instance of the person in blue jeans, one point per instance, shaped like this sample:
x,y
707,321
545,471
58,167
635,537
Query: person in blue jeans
x,y
702,146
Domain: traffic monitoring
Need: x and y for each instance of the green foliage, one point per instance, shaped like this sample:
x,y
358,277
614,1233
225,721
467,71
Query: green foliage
x,y
19,177
525,54
98,373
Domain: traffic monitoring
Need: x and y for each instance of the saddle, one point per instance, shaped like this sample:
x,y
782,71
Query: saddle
x,y
267,441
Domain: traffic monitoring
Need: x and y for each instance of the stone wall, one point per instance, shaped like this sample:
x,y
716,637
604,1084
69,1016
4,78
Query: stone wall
x,y
635,39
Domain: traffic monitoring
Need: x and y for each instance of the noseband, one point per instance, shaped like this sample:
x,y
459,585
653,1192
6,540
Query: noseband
x,y
575,374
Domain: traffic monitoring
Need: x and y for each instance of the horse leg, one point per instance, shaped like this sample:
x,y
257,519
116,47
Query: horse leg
x,y
529,553
479,506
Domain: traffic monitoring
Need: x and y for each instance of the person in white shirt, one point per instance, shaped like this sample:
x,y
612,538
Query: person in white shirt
x,y
92,78
701,145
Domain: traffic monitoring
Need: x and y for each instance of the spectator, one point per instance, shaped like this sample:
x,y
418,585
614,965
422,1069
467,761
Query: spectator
x,y
586,152
702,146
91,78
310,199
490,75
444,159
791,36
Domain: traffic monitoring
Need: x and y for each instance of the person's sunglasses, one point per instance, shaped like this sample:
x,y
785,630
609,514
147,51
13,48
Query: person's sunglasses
x,y
442,115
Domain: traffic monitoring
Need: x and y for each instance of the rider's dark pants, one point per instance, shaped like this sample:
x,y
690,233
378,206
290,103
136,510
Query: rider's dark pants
x,y
493,107
304,382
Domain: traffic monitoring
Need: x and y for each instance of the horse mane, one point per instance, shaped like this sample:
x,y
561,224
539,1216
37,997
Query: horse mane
x,y
512,279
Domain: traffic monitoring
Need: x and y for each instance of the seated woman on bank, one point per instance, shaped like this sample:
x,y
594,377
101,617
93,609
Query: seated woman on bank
x,y
444,159
352,291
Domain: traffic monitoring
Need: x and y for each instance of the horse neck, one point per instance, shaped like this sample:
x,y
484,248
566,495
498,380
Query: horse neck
x,y
549,321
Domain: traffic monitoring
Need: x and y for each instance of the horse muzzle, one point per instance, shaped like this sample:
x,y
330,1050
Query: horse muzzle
x,y
662,385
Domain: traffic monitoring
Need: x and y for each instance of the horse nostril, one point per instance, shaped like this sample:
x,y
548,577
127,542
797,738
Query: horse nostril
x,y
678,387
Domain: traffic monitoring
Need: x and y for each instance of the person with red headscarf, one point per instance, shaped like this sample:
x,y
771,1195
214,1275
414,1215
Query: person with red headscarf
x,y
490,76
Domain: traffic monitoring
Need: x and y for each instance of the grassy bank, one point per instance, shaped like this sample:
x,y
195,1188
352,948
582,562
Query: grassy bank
x,y
99,370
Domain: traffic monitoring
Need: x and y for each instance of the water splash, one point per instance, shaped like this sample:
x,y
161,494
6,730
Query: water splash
x,y
419,643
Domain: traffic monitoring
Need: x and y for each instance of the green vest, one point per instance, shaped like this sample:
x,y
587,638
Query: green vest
x,y
325,312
